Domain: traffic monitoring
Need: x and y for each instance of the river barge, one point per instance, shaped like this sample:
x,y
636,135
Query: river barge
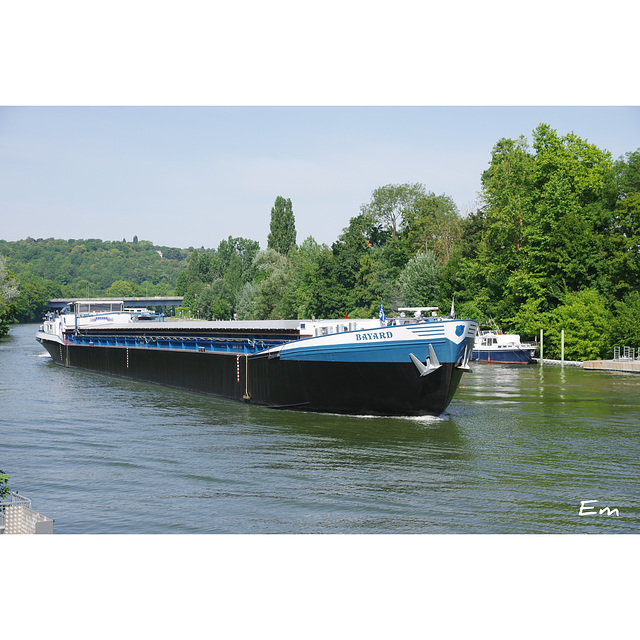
x,y
397,366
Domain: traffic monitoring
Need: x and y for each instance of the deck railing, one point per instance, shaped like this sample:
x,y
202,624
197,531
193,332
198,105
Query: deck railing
x,y
17,516
628,353
13,500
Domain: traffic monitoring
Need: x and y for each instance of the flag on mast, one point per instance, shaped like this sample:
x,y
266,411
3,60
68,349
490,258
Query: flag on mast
x,y
381,312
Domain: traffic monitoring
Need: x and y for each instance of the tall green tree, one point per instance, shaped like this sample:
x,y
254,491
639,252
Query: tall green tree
x,y
586,322
420,281
282,235
273,275
299,294
31,305
569,241
390,203
625,322
214,278
432,224
627,170
547,219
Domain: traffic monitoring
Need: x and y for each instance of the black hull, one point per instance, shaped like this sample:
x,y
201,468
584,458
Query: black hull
x,y
361,388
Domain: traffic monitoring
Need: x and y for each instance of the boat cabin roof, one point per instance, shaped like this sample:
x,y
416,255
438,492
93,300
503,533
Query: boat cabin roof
x,y
97,306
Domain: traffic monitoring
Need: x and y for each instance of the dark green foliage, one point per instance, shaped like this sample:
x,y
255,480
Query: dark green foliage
x,y
31,304
586,322
627,171
214,279
625,323
556,244
5,320
420,281
434,225
5,490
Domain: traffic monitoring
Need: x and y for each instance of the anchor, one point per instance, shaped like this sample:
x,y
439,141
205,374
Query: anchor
x,y
464,364
432,362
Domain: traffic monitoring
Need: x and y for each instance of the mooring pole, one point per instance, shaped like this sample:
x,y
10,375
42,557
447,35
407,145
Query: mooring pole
x,y
246,395
562,347
541,346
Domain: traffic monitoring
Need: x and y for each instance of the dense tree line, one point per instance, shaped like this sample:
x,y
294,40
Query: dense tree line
x,y
553,244
392,250
556,244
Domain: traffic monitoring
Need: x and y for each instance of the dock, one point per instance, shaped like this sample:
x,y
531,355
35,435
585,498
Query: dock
x,y
622,364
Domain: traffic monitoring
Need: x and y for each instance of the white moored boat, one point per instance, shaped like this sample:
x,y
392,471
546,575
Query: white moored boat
x,y
501,348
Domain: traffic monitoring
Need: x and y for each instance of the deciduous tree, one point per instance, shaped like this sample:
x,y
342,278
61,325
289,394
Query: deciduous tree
x,y
420,281
389,204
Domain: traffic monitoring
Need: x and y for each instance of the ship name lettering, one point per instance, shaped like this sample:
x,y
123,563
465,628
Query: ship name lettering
x,y
377,335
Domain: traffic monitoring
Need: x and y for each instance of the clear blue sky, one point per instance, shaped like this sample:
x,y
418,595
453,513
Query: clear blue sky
x,y
191,176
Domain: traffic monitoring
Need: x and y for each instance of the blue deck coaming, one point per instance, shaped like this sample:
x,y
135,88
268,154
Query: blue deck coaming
x,y
370,350
446,351
342,387
228,344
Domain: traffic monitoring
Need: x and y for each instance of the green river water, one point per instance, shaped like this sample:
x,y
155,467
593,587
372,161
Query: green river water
x,y
518,451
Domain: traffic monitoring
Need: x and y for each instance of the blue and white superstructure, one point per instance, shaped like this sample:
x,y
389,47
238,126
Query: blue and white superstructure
x,y
390,366
372,341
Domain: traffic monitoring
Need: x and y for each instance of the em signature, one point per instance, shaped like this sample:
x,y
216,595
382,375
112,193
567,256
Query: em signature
x,y
586,510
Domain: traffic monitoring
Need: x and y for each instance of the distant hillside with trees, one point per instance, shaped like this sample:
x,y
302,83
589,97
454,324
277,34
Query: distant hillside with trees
x,y
553,244
51,268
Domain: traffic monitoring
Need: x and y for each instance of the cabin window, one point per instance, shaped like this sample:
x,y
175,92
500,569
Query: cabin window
x,y
98,307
